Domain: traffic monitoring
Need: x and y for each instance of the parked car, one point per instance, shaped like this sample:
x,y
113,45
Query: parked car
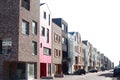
x,y
93,70
80,72
103,68
116,72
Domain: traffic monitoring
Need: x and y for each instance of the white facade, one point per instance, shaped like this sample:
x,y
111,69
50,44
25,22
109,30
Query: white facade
x,y
76,39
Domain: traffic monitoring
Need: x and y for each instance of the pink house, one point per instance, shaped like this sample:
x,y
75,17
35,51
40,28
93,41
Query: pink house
x,y
45,41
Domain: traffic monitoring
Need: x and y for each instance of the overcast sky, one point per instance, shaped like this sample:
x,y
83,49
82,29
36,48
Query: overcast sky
x,y
97,21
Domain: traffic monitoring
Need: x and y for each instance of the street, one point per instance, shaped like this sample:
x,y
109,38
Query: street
x,y
107,75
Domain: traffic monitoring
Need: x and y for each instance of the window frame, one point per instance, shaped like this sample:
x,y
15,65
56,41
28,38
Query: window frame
x,y
25,27
34,27
42,31
26,4
34,47
48,49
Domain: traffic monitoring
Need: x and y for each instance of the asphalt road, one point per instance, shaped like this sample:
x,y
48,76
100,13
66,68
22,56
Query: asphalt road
x,y
106,75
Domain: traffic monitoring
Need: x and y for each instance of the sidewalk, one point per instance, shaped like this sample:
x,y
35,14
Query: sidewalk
x,y
66,77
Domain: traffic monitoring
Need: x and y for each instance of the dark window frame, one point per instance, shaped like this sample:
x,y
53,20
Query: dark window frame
x,y
49,54
26,4
34,47
43,31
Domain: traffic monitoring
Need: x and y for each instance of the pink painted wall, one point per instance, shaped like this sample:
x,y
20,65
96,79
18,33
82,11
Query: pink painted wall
x,y
44,23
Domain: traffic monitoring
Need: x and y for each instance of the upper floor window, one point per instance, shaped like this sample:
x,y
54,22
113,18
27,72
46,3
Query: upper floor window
x,y
57,53
34,27
34,48
5,46
25,27
63,27
42,31
56,38
64,40
47,38
26,4
47,51
44,15
49,20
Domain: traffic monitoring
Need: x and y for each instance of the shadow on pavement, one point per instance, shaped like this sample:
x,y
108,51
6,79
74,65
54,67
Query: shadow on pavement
x,y
107,75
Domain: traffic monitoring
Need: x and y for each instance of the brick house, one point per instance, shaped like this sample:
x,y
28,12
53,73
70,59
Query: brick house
x,y
56,50
19,39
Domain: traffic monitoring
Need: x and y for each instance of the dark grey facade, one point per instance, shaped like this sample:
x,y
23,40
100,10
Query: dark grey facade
x,y
16,49
64,26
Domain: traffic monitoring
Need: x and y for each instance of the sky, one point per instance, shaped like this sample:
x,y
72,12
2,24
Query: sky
x,y
97,21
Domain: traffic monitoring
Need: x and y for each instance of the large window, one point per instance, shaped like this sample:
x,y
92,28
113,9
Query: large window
x,y
34,27
5,46
26,4
47,51
42,31
34,48
32,69
25,27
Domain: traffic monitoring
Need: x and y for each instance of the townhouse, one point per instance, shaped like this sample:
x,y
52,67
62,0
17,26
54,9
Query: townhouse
x,y
45,41
19,39
86,54
64,26
56,50
76,53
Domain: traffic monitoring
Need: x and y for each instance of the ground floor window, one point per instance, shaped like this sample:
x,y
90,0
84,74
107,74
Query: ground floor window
x,y
21,71
5,46
32,70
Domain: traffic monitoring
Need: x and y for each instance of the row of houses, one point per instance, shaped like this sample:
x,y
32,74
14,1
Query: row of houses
x,y
34,45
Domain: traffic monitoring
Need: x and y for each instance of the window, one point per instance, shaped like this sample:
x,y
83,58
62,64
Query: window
x,y
26,4
47,36
32,68
64,40
57,53
44,15
21,70
5,46
42,31
57,38
34,27
34,48
63,27
25,27
49,20
47,51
